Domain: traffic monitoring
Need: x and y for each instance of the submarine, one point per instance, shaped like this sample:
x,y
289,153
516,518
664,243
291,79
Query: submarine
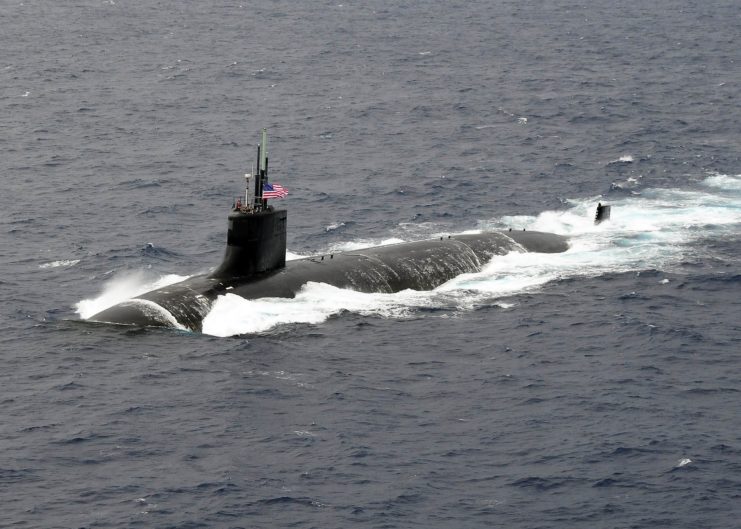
x,y
254,264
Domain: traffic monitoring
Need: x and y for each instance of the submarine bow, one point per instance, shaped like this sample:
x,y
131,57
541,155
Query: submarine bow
x,y
254,264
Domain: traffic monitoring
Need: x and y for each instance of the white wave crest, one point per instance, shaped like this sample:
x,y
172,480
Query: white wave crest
x,y
314,303
334,226
123,288
60,263
721,181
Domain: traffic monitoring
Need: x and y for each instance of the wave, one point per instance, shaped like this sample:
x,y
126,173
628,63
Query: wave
x,y
123,288
726,182
60,263
626,158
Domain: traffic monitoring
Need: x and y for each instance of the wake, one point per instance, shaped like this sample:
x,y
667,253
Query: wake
x,y
651,230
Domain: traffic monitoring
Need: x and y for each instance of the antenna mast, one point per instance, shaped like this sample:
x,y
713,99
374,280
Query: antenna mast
x,y
261,178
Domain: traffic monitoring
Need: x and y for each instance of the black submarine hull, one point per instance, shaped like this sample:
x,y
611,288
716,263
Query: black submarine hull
x,y
422,265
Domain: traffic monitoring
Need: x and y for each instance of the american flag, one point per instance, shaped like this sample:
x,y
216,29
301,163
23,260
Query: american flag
x,y
274,191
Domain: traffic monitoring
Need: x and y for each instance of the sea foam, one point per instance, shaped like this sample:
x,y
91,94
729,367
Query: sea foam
x,y
648,231
123,288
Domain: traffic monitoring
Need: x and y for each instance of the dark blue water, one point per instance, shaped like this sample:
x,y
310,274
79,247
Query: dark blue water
x,y
599,388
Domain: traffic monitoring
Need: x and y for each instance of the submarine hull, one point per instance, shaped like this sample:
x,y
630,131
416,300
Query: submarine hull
x,y
422,265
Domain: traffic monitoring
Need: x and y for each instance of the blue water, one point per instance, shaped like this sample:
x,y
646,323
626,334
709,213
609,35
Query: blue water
x,y
596,388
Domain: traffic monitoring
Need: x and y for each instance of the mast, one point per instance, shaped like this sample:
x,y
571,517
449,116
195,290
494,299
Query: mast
x,y
263,164
261,177
253,200
258,183
249,190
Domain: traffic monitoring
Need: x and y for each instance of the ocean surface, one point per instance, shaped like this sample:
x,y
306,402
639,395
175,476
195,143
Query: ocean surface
x,y
599,388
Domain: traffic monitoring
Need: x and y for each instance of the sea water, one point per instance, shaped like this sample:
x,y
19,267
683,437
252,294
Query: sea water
x,y
594,388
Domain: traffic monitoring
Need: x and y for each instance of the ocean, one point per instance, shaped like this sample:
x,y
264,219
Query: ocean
x,y
598,388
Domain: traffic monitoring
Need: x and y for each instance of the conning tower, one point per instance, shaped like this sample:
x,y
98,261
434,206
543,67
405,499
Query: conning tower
x,y
256,238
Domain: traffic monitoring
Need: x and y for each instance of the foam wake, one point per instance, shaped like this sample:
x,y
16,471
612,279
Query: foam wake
x,y
123,288
653,230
